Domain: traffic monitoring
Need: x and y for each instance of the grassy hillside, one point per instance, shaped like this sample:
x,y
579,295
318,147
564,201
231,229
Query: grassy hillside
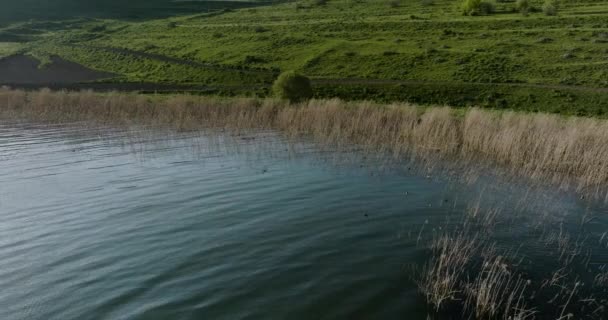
x,y
424,51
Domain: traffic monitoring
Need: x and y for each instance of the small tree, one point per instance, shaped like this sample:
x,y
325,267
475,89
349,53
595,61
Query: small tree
x,y
550,7
292,86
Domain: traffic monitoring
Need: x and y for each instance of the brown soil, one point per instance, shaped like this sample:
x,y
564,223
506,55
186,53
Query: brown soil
x,y
21,69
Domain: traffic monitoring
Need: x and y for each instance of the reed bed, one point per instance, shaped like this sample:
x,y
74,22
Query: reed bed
x,y
473,275
467,275
496,259
567,152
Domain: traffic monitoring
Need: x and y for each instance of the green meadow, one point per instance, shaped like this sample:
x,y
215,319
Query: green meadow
x,y
421,51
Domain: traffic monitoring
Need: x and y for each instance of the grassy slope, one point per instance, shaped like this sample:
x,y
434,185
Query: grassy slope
x,y
431,53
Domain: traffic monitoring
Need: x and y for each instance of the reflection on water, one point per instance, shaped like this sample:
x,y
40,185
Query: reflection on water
x,y
101,223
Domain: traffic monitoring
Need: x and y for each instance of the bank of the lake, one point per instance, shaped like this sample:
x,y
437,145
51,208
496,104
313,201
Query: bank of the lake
x,y
567,152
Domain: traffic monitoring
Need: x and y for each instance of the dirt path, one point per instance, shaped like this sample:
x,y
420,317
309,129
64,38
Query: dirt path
x,y
357,81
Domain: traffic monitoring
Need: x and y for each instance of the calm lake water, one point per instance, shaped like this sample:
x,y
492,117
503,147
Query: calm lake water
x,y
99,224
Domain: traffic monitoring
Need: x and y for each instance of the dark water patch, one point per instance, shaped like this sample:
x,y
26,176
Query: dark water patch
x,y
22,69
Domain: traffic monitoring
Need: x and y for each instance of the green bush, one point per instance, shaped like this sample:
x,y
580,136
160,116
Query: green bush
x,y
487,7
550,7
292,86
476,7
470,7
522,6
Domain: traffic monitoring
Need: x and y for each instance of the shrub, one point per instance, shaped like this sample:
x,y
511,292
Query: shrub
x,y
522,6
292,86
394,3
476,7
487,7
550,7
470,7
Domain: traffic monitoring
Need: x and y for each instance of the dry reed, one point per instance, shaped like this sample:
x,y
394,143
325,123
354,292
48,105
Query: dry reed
x,y
478,270
471,275
568,152
441,278
497,292
601,279
466,273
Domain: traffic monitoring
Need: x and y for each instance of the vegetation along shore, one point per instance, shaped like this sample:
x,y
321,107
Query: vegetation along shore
x,y
569,152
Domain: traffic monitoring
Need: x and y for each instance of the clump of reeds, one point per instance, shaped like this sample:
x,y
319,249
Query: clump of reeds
x,y
467,274
478,271
474,277
498,292
440,280
568,152
601,279
477,275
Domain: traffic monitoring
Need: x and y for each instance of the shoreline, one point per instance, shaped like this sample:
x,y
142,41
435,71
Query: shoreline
x,y
566,152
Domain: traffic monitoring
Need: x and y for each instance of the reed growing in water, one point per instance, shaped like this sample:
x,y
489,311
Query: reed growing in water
x,y
477,275
567,152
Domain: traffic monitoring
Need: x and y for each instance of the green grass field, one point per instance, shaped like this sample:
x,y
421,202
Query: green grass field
x,y
423,51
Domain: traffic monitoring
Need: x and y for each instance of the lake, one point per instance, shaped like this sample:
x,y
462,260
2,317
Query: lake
x,y
109,223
